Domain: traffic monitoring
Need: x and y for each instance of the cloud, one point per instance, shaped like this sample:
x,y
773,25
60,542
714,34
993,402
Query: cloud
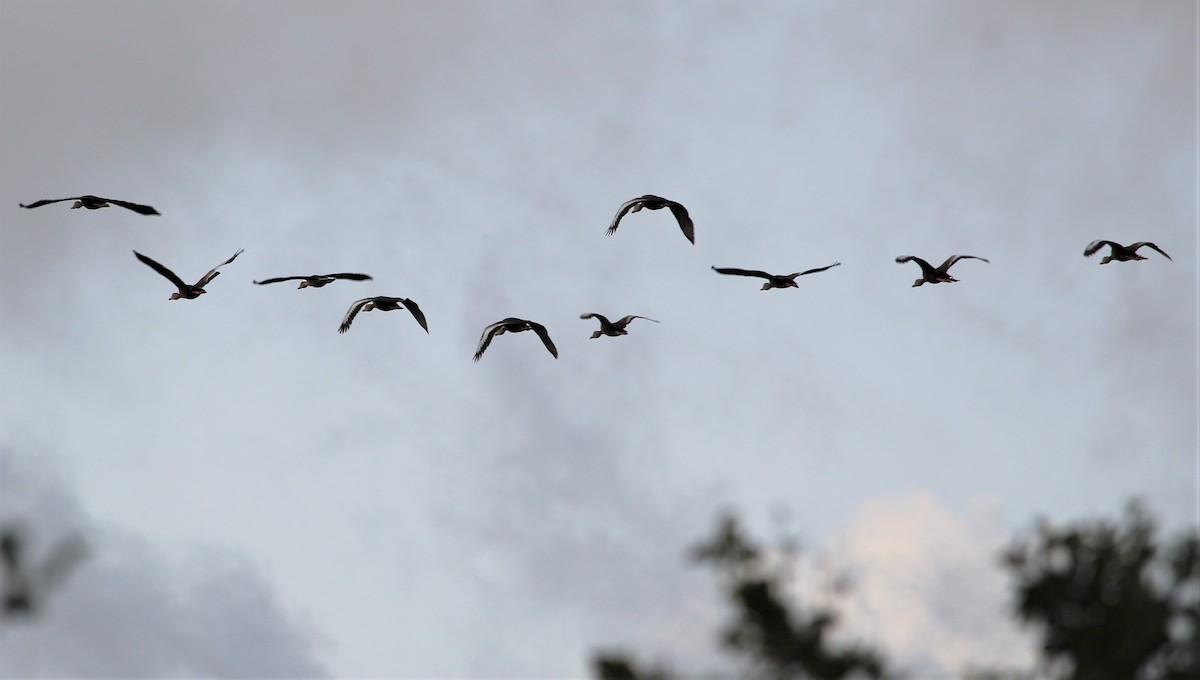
x,y
927,586
130,610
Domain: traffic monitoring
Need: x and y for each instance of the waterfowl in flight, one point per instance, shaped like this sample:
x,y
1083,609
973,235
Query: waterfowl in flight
x,y
383,304
929,274
514,325
612,328
1120,253
316,280
773,280
25,584
186,292
95,203
651,202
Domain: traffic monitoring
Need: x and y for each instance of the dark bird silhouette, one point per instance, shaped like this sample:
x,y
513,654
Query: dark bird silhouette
x,y
186,292
1120,253
929,274
383,304
651,202
612,328
27,584
773,280
316,280
514,325
94,203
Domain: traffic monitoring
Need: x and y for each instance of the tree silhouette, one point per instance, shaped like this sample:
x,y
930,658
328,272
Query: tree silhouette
x,y
777,638
1110,602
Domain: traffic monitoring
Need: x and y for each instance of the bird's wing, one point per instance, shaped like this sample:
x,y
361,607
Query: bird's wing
x,y
814,271
1139,244
486,339
162,270
48,201
626,319
280,278
926,268
58,564
593,315
350,277
741,272
1097,245
212,273
685,220
136,207
351,313
545,336
955,258
625,207
416,312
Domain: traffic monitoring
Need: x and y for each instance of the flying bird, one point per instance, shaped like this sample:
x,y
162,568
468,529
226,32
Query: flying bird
x,y
651,202
1120,253
383,304
95,203
26,584
612,328
514,325
939,275
773,280
316,280
186,292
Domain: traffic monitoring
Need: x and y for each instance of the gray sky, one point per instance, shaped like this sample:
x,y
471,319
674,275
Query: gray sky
x,y
377,504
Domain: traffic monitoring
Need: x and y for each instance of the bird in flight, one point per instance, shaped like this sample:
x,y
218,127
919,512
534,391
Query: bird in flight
x,y
612,328
383,304
27,584
773,280
1120,253
95,203
514,325
929,274
651,202
186,292
316,280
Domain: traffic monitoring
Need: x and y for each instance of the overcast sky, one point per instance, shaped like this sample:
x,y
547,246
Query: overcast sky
x,y
375,503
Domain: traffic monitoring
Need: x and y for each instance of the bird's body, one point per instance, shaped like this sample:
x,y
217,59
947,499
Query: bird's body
x,y
612,328
652,202
186,292
1120,253
773,280
514,325
384,304
94,203
316,280
931,274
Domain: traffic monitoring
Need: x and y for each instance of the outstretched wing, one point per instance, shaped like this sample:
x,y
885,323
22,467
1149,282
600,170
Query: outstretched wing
x,y
818,269
626,319
625,208
1097,245
212,273
136,207
684,220
416,312
349,277
280,278
1139,244
592,315
486,339
741,272
955,258
351,313
48,201
545,336
926,268
170,275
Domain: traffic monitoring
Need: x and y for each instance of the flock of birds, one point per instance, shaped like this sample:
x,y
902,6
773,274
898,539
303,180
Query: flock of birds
x,y
929,273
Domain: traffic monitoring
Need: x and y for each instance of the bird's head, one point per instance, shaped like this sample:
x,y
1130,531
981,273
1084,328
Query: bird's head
x,y
918,282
